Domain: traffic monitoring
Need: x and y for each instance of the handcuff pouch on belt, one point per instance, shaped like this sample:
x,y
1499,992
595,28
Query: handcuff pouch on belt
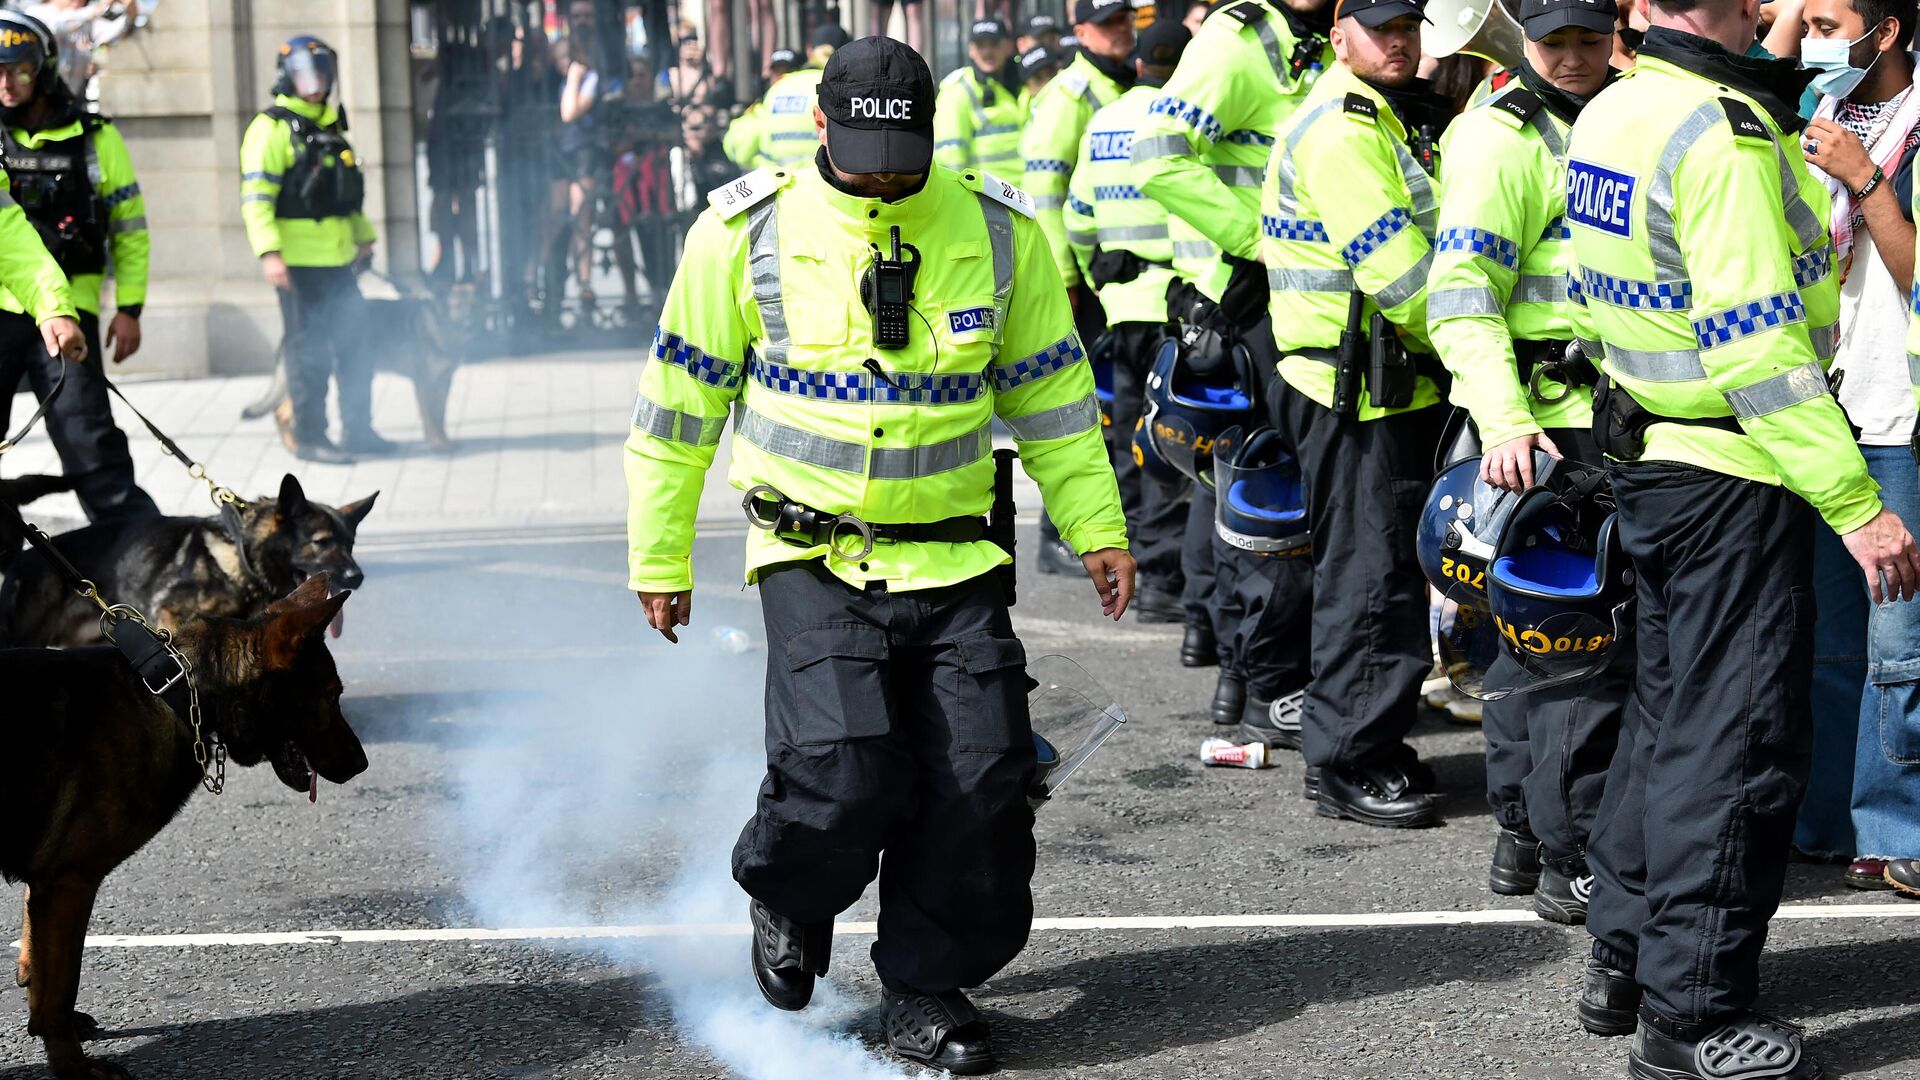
x,y
804,526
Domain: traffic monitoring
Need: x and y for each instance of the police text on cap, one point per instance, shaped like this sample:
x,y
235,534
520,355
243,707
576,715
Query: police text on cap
x,y
874,108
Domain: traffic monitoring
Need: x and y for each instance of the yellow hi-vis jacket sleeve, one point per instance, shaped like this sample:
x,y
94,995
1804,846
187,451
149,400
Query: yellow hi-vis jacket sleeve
x,y
741,143
1077,218
27,270
126,217
691,379
1756,354
266,153
1051,144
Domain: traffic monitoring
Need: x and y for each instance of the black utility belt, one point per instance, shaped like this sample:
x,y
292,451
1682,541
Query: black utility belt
x,y
805,526
1560,361
1620,422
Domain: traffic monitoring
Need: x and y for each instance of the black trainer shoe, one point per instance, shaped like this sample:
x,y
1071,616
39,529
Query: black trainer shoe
x,y
1229,699
1904,876
1516,864
1609,1001
1562,899
321,452
787,956
1750,1047
1151,605
1310,785
1383,797
368,444
944,1031
1058,558
1276,723
1198,647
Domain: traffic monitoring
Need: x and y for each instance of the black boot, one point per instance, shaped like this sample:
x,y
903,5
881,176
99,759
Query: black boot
x,y
1609,1001
1057,558
366,443
1156,605
1384,797
1562,899
1310,784
1276,723
787,956
321,452
944,1031
1749,1047
1198,646
1516,863
1229,699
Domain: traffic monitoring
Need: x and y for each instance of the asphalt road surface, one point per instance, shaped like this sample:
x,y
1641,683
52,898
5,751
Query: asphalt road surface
x,y
541,763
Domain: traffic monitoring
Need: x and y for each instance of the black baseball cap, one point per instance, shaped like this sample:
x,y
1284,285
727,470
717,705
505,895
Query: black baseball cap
x,y
1542,17
1161,43
1099,11
878,97
1042,24
1374,14
1039,57
783,58
829,34
989,30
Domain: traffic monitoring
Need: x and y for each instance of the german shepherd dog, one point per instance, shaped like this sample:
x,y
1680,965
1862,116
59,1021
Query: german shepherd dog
x,y
98,766
175,568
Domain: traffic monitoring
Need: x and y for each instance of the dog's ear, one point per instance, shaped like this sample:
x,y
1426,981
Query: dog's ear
x,y
311,591
357,511
289,630
293,500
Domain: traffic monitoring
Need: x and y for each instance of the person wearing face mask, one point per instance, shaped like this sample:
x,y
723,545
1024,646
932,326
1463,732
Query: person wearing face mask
x,y
1862,800
1348,212
1705,268
1497,312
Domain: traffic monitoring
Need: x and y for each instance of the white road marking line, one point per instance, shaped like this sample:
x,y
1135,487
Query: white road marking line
x,y
1071,924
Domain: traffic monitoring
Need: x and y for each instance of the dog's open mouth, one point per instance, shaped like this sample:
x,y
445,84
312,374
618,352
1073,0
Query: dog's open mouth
x,y
290,764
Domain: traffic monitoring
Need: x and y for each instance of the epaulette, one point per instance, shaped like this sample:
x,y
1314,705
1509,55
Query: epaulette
x,y
1074,82
1745,124
1248,13
736,197
1519,103
999,191
1361,105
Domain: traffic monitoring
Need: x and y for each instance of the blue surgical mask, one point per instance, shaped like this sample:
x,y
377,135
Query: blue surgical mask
x,y
1834,57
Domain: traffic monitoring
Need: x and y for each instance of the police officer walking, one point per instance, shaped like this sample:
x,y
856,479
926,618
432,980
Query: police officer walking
x,y
300,194
1497,311
865,318
1705,268
982,107
1347,211
71,174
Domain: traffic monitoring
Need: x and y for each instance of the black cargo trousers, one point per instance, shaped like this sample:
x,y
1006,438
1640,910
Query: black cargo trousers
x,y
896,722
1156,512
1689,853
92,448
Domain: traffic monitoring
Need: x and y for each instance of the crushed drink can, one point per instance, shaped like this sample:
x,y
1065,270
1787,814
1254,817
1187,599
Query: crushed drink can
x,y
1234,755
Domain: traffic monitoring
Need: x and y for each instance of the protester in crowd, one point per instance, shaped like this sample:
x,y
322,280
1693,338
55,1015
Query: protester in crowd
x,y
77,24
533,198
692,82
455,168
1196,14
640,88
913,13
586,149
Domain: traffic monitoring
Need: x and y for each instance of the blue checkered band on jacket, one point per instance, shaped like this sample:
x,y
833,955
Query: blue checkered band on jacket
x,y
1059,355
1191,115
1913,298
1557,229
1250,138
712,370
1628,293
1813,267
1491,245
1279,228
1074,204
1376,235
1574,295
119,195
1049,165
1117,191
899,388
1767,313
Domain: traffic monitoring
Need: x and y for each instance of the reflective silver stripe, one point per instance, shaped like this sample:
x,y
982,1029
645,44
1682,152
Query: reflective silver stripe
x,y
1590,348
1289,205
1049,202
6,199
1672,365
763,256
93,163
1239,175
1826,340
1913,368
1540,289
1071,419
264,177
1081,239
911,463
245,199
1550,134
1339,281
1456,303
1000,240
1800,217
1117,234
782,441
1782,391
1194,249
1426,208
1161,146
1281,68
1406,285
663,423
1660,241
132,224
996,129
1092,99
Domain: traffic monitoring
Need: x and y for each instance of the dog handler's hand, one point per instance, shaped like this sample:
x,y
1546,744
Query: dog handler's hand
x,y
274,269
1886,554
666,611
62,337
1112,572
123,334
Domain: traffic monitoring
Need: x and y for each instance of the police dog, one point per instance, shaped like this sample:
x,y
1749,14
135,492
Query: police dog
x,y
97,766
175,568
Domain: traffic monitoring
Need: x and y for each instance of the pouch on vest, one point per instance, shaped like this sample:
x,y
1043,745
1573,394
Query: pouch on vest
x,y
55,187
1391,374
323,181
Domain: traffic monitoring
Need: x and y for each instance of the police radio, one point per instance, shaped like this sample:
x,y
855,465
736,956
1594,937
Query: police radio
x,y
888,292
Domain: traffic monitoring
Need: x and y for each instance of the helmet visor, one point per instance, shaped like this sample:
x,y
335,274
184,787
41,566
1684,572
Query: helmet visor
x,y
1469,647
1563,647
310,72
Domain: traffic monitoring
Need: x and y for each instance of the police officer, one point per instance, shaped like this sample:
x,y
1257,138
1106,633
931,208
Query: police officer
x,y
300,195
1038,66
977,122
71,173
1496,309
864,318
1120,240
1056,120
778,129
1201,152
1705,268
1347,210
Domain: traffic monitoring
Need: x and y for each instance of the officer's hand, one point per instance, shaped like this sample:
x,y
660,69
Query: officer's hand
x,y
1838,153
1510,465
1886,554
1112,572
123,333
274,269
362,257
666,611
62,337
1244,300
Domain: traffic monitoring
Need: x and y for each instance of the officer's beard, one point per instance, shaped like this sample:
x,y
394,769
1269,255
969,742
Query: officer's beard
x,y
887,187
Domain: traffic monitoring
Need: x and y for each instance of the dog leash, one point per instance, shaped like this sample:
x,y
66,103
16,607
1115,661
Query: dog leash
x,y
13,440
222,495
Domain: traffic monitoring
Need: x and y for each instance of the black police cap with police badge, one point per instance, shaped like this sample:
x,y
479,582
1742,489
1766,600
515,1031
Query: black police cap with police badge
x,y
1038,58
1542,17
1099,11
989,30
1374,14
878,96
1042,24
783,58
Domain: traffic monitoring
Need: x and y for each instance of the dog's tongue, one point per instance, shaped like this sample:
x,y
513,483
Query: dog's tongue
x,y
339,621
313,780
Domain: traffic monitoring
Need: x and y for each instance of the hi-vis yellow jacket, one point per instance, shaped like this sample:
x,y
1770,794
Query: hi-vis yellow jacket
x,y
266,153
1051,143
765,319
27,271
119,192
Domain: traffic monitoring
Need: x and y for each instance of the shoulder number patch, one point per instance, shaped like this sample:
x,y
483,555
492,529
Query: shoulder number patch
x,y
1745,124
1248,13
1362,105
1520,103
737,196
1001,192
1600,198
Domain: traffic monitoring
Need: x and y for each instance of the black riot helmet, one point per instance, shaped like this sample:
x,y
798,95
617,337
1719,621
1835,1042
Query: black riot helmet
x,y
306,66
26,40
